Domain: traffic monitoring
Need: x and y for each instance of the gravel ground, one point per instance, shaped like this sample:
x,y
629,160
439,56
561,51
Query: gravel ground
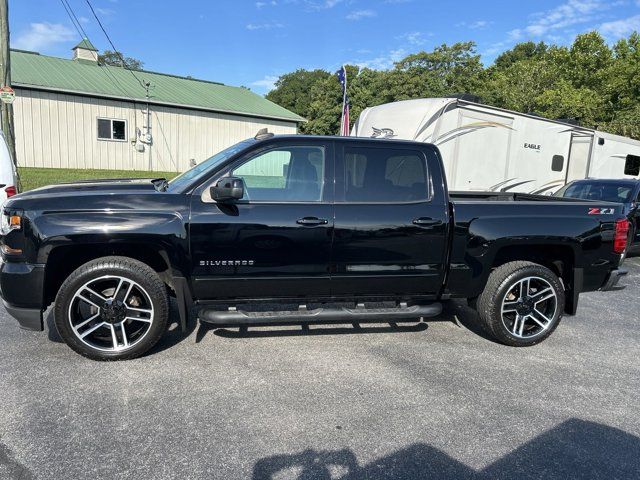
x,y
421,401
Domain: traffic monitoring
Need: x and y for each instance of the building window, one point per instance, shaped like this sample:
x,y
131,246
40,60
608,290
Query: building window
x,y
111,129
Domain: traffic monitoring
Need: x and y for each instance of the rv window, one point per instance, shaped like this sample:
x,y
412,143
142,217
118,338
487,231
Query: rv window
x,y
632,165
557,163
385,175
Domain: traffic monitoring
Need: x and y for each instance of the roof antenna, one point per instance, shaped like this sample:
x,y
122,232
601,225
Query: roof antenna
x,y
263,134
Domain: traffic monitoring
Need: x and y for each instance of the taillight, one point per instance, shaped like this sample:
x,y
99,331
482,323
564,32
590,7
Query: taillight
x,y
621,235
10,191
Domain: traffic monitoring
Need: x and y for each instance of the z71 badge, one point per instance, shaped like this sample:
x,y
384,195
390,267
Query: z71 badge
x,y
601,211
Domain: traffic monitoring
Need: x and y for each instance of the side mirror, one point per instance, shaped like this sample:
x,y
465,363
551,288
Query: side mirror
x,y
227,189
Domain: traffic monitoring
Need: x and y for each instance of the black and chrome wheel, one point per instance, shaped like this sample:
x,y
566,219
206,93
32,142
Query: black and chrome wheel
x,y
522,303
113,308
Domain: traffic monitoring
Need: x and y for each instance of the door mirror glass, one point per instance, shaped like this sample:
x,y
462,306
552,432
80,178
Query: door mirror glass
x,y
228,189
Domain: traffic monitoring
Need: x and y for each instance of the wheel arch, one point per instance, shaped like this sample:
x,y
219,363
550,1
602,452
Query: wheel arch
x,y
559,258
63,260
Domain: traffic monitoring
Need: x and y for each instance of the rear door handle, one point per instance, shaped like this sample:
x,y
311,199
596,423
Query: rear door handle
x,y
312,221
427,222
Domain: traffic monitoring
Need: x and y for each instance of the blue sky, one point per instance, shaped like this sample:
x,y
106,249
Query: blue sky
x,y
250,43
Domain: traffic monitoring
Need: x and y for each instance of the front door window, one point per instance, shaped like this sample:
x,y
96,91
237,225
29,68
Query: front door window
x,y
287,174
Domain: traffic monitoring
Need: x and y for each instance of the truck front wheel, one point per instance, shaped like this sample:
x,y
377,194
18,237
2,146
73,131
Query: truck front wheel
x,y
522,303
112,308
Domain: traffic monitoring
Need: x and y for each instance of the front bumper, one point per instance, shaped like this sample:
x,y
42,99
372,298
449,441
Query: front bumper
x,y
28,318
613,279
21,289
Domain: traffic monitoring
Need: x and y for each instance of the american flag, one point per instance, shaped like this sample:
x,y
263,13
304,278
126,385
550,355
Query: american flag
x,y
344,121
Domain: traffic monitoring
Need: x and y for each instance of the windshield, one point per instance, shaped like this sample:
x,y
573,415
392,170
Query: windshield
x,y
605,192
187,177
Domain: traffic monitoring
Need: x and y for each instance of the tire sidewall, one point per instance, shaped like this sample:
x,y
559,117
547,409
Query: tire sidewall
x,y
88,273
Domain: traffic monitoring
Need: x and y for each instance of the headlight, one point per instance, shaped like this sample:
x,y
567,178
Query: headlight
x,y
10,222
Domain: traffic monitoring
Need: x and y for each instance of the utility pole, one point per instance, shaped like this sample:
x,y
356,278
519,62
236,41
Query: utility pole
x,y
5,80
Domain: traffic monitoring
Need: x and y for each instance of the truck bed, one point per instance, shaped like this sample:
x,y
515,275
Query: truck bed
x,y
509,197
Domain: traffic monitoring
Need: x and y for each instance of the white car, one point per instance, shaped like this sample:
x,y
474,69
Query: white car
x,y
8,183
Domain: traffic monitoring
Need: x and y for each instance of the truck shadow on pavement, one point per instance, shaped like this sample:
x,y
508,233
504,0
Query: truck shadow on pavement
x,y
302,329
575,449
11,469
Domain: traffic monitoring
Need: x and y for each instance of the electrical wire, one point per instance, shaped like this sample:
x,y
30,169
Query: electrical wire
x,y
83,34
116,51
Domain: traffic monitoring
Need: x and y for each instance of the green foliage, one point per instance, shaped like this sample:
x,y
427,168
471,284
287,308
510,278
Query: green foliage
x,y
591,82
109,57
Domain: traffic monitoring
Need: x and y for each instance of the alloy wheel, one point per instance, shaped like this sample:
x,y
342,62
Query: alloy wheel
x,y
111,313
529,307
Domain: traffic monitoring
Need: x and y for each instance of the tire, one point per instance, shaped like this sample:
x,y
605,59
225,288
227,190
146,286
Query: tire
x,y
112,308
516,319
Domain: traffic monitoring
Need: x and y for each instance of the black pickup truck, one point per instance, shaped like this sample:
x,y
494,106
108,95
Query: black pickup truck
x,y
293,229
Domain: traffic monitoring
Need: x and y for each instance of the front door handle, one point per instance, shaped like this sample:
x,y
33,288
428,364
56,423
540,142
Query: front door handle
x,y
312,221
427,222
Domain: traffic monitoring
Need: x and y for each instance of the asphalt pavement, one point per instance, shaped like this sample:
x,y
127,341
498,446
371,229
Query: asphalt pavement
x,y
414,401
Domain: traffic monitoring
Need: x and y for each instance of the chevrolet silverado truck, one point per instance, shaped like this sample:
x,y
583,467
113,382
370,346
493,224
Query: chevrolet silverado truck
x,y
295,229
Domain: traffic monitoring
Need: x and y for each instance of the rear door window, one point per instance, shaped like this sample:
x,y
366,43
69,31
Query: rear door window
x,y
385,175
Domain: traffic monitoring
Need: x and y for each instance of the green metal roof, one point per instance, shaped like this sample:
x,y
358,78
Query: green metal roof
x,y
86,44
29,69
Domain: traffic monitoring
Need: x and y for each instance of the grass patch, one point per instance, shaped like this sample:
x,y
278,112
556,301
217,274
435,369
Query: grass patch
x,y
31,178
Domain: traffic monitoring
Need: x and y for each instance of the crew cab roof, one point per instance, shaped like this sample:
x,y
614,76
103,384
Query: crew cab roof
x,y
336,138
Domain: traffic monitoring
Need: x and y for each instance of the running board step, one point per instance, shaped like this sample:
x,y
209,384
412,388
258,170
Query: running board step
x,y
302,315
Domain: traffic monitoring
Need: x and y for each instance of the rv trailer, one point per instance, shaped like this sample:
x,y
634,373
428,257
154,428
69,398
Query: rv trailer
x,y
488,148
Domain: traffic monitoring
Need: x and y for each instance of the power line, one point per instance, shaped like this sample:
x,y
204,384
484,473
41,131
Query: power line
x,y
74,19
83,34
117,52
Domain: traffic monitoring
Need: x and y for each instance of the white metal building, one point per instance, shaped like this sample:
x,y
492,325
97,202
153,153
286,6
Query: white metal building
x,y
76,113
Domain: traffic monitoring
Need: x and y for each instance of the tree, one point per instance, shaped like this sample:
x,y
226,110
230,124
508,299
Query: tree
x,y
596,84
293,91
109,57
520,52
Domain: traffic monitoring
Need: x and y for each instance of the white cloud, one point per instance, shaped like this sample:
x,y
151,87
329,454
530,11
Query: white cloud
x,y
267,84
382,62
321,4
272,3
621,28
264,26
414,38
43,35
560,24
360,14
477,25
573,12
107,12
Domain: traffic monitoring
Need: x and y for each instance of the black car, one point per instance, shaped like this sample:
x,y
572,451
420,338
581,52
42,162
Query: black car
x,y
299,229
625,191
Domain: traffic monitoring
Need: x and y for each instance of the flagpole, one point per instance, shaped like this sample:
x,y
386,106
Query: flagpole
x,y
344,102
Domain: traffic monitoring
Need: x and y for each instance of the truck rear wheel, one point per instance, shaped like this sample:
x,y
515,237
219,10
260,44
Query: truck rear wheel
x,y
522,303
112,308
